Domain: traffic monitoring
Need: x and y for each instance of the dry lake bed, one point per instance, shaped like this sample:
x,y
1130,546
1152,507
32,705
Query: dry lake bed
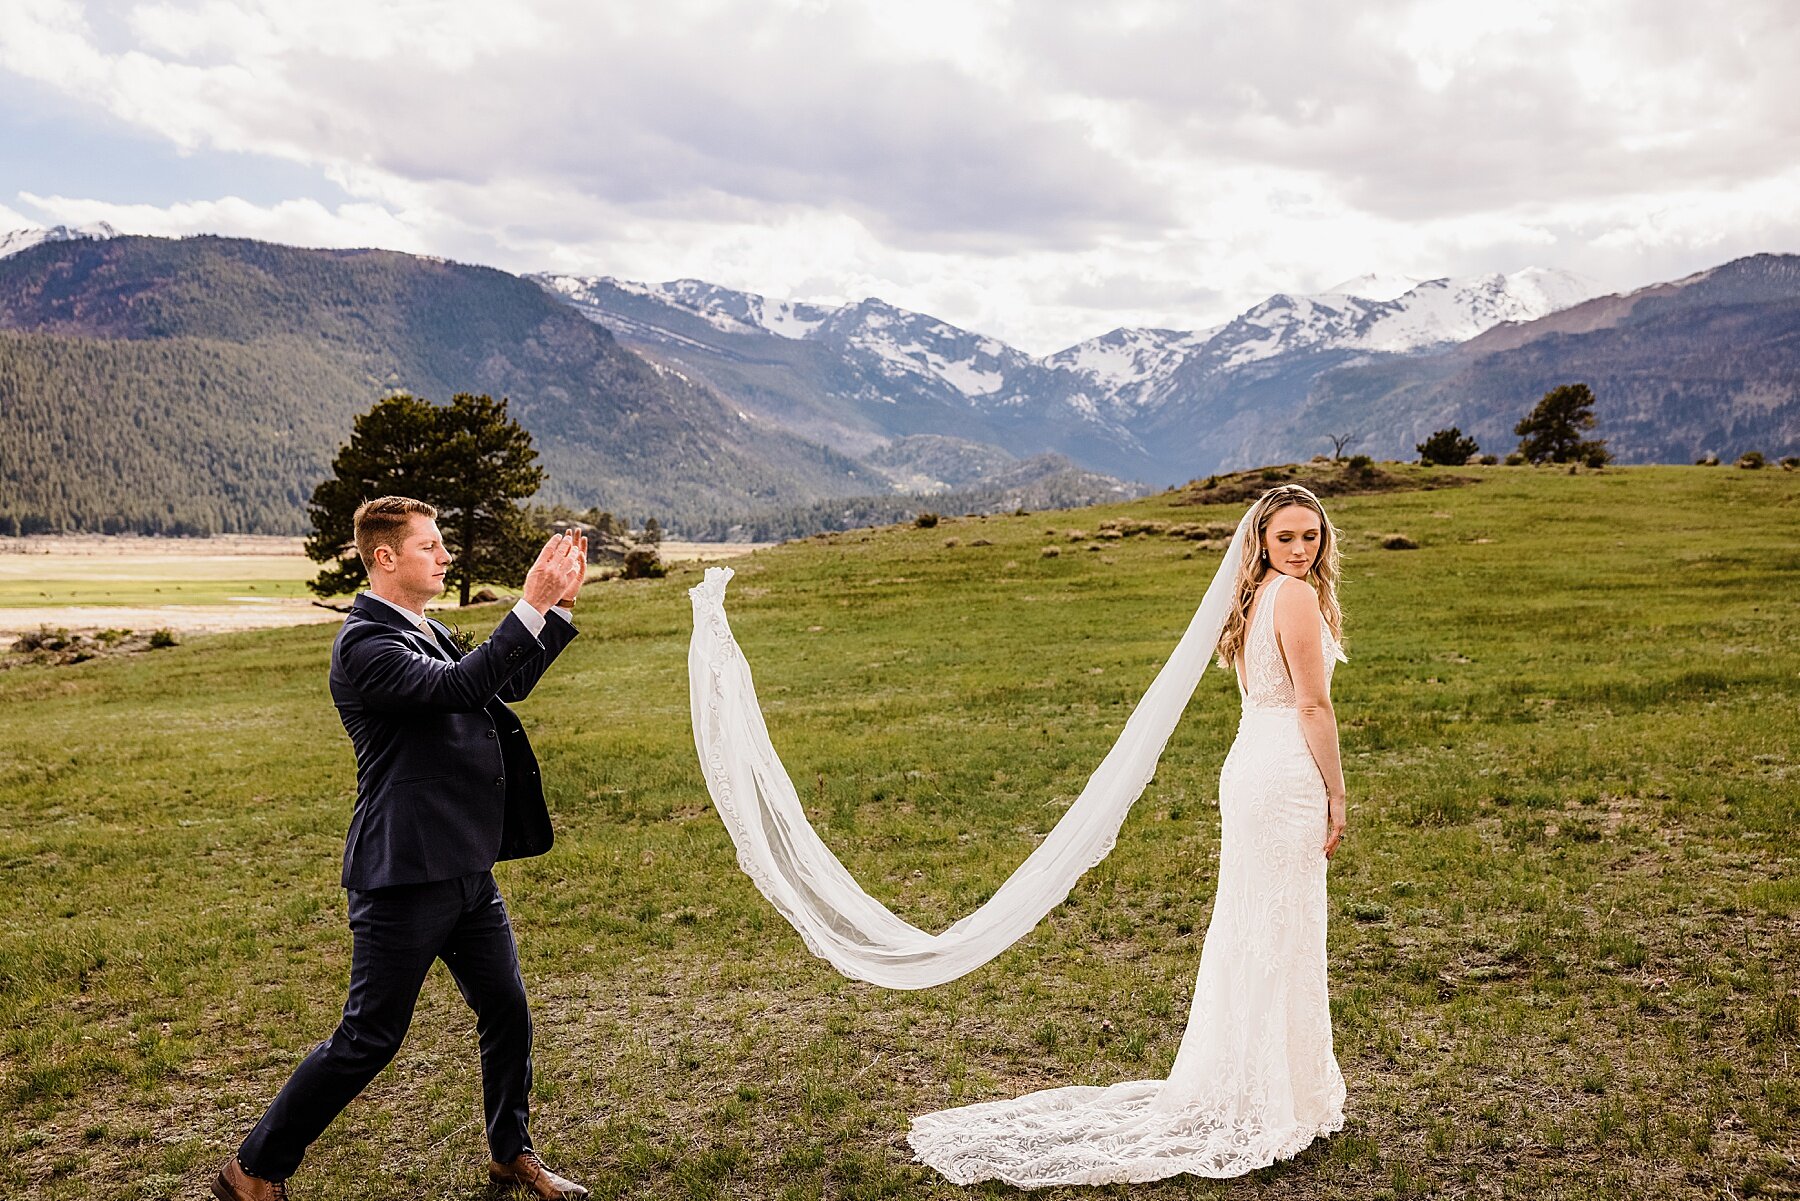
x,y
189,585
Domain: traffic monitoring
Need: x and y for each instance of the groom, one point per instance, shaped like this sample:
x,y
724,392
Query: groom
x,y
446,785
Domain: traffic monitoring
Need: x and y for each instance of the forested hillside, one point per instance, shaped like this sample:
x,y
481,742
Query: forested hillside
x,y
202,385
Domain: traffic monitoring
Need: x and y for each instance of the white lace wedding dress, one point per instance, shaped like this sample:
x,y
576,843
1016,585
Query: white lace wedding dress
x,y
1255,1079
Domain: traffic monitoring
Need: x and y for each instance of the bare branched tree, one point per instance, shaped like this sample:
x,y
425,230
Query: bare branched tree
x,y
1339,443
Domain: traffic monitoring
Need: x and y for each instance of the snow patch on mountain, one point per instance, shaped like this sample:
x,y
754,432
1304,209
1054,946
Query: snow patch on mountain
x,y
1434,313
1376,286
24,239
1444,310
1119,360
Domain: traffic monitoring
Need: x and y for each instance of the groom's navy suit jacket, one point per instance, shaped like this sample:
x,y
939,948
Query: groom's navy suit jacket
x,y
446,783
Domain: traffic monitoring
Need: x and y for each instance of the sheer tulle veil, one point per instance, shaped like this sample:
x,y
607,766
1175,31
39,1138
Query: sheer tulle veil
x,y
797,872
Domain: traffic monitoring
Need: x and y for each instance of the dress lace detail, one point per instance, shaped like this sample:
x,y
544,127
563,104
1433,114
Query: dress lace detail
x,y
1255,1079
1263,680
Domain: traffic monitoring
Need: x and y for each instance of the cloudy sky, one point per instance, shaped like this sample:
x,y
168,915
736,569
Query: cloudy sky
x,y
1037,170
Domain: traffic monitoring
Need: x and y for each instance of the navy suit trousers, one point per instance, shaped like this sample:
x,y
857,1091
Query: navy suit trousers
x,y
397,933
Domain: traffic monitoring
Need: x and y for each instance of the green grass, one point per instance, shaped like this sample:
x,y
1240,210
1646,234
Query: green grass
x,y
1565,943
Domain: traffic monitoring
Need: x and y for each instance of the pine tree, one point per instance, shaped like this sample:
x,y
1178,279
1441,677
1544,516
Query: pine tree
x,y
468,459
1552,431
490,467
393,451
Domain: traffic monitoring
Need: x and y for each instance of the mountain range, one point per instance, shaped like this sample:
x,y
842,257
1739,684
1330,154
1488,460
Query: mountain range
x,y
205,382
1153,404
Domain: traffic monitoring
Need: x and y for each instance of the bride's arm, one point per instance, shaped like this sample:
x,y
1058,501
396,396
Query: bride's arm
x,y
1297,625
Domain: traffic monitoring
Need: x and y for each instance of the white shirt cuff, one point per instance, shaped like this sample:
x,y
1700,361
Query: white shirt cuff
x,y
563,613
530,618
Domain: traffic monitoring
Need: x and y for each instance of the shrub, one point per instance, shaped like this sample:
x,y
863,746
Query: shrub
x,y
1489,460
163,638
1709,459
1050,552
1751,460
1398,542
1361,465
643,563
42,639
926,521
1596,454
1446,448
1515,459
1789,462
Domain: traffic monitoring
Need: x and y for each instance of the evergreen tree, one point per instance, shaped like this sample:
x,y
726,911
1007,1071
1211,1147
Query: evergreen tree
x,y
468,459
1447,448
490,468
392,451
1552,431
653,531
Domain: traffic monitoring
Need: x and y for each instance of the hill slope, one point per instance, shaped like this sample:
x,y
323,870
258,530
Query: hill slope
x,y
203,384
1707,363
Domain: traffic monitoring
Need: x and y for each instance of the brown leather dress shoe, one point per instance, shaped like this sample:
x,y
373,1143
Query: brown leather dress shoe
x,y
529,1172
235,1184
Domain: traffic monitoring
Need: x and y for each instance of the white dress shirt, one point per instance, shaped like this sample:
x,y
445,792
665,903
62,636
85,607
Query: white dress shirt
x,y
529,617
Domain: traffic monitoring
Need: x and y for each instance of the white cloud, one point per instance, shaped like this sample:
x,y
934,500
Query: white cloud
x,y
294,222
1039,171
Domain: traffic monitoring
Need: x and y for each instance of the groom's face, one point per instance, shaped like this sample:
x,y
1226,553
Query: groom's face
x,y
416,570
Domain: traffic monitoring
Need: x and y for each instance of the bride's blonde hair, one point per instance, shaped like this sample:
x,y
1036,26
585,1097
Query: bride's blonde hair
x,y
1322,575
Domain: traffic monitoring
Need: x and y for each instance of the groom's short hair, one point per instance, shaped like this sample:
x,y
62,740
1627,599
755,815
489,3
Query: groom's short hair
x,y
384,522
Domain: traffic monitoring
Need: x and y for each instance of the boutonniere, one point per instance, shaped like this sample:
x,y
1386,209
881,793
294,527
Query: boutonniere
x,y
464,639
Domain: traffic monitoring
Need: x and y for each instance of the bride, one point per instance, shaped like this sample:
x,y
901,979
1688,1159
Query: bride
x,y
1255,1079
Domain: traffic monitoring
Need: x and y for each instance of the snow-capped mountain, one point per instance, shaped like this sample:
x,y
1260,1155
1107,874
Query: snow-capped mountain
x,y
725,310
1131,402
897,343
24,239
1430,314
856,376
1130,368
1131,371
890,342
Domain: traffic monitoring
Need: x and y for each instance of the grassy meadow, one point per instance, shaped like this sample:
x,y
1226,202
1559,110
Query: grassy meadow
x,y
41,580
1565,939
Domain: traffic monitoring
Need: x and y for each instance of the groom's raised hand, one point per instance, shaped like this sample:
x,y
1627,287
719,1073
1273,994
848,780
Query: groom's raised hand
x,y
558,571
580,553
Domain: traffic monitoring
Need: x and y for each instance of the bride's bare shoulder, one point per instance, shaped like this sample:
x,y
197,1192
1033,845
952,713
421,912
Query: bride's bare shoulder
x,y
1297,600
